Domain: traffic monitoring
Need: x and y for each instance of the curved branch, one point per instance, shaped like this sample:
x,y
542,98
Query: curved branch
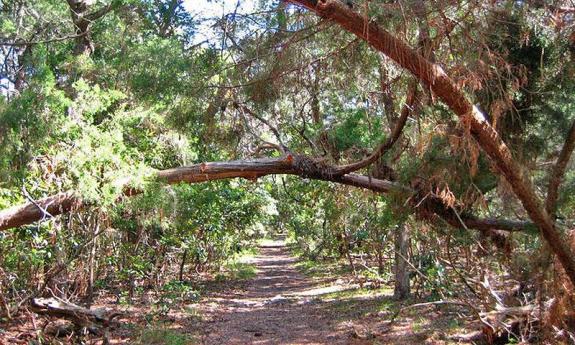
x,y
388,144
427,46
265,146
559,171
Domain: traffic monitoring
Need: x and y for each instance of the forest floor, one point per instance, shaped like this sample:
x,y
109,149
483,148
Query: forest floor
x,y
278,304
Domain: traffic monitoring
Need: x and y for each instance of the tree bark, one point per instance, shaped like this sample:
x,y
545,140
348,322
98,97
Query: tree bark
x,y
445,88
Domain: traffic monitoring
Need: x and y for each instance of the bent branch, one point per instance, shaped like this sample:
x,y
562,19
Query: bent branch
x,y
388,144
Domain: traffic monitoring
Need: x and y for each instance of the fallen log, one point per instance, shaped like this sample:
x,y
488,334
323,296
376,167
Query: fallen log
x,y
93,320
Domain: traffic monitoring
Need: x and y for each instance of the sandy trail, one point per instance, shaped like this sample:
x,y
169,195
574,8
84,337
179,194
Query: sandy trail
x,y
275,307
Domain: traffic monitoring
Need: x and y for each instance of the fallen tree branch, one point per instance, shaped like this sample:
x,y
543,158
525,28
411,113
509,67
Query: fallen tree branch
x,y
253,169
92,319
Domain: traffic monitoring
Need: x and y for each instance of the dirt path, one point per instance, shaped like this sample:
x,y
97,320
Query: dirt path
x,y
280,305
276,307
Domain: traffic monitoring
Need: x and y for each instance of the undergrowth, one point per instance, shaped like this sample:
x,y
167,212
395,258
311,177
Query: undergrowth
x,y
239,267
163,336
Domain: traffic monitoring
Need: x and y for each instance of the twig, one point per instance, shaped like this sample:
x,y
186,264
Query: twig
x,y
45,213
426,304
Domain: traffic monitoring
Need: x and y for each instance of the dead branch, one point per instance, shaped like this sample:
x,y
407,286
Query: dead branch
x,y
253,169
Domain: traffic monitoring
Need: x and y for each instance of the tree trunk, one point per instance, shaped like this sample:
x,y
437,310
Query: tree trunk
x,y
379,254
349,257
78,13
83,16
91,263
21,75
401,243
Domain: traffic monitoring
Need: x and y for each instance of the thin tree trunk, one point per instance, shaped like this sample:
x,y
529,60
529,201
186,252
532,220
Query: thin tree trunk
x,y
91,263
350,260
379,254
183,264
401,242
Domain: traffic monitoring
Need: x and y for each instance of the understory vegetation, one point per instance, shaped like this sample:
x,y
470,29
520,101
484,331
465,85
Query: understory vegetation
x,y
417,151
